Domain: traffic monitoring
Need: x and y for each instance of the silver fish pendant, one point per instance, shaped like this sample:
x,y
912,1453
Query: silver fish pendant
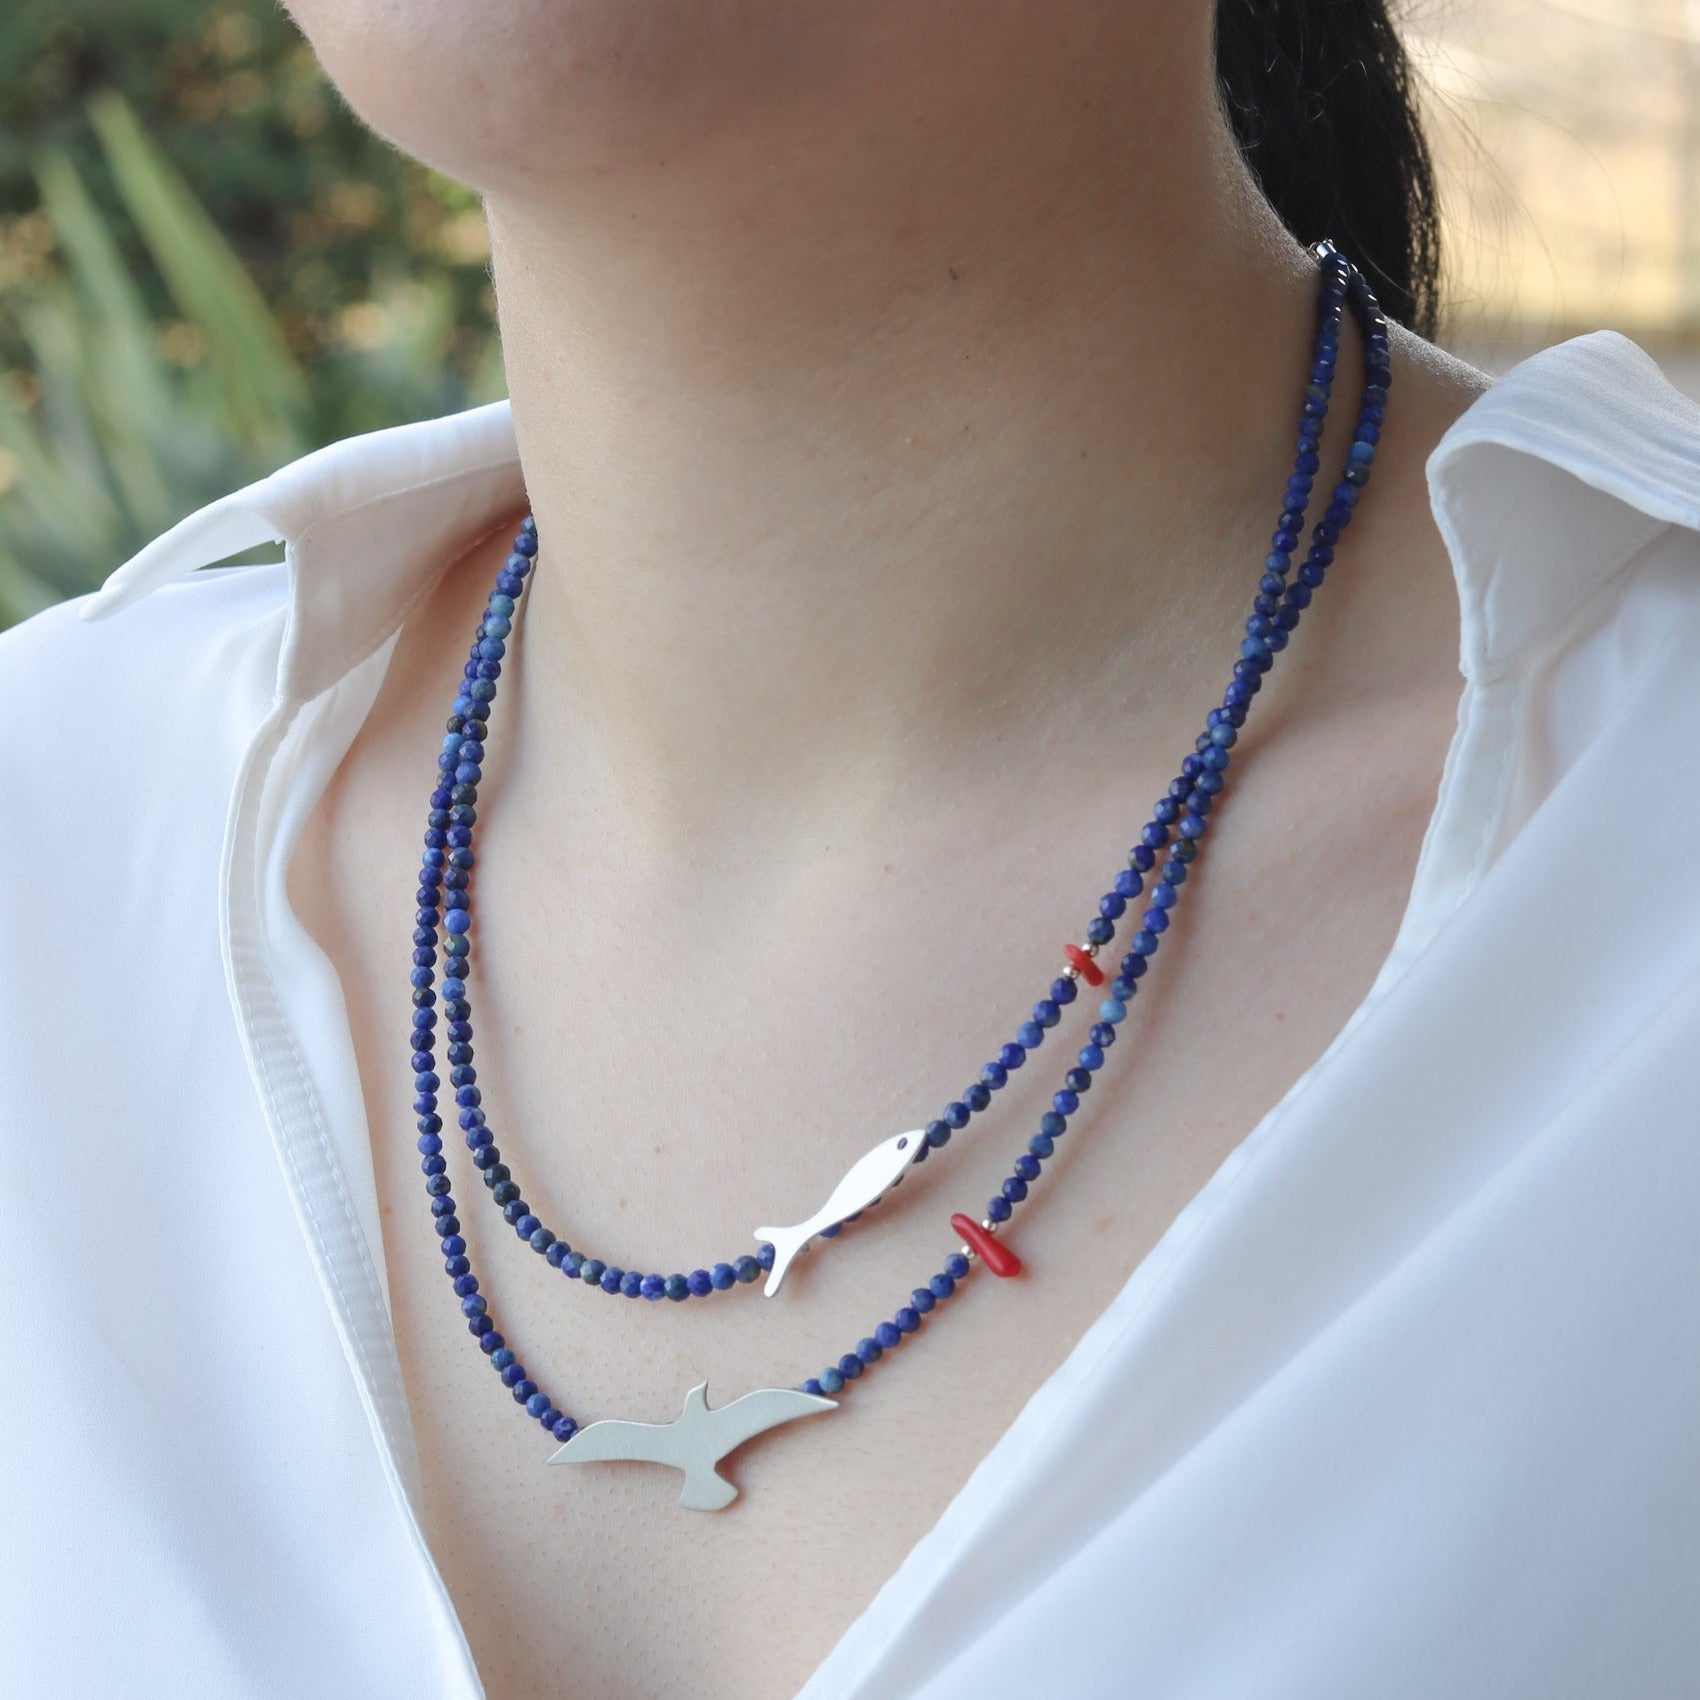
x,y
867,1182
695,1441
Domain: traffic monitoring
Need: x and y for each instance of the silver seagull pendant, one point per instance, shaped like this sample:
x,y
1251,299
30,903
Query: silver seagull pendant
x,y
695,1441
868,1181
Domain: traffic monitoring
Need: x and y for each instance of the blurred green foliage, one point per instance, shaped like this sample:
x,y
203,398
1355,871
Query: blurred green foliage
x,y
207,266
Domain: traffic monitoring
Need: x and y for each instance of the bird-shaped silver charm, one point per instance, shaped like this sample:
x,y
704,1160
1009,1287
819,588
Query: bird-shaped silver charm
x,y
869,1180
695,1441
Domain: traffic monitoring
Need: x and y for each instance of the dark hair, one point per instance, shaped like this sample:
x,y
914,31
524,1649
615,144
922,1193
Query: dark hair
x,y
1322,100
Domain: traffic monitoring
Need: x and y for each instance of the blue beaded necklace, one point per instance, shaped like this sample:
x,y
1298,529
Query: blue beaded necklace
x,y
700,1437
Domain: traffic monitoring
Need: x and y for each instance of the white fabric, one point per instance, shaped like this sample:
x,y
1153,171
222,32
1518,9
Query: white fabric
x,y
1405,1403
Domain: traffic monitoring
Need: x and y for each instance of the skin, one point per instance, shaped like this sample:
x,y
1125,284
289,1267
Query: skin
x,y
905,392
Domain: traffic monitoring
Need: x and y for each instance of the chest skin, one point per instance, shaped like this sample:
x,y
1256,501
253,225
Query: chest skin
x,y
672,1053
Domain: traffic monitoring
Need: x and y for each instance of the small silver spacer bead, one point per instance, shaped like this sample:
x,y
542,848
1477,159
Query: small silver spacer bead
x,y
988,1224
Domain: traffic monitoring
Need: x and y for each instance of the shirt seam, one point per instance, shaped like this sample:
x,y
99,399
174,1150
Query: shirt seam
x,y
250,973
359,1316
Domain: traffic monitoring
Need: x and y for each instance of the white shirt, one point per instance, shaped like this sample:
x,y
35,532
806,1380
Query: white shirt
x,y
1405,1403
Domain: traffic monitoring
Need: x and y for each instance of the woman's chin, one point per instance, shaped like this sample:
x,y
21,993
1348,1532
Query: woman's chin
x,y
584,88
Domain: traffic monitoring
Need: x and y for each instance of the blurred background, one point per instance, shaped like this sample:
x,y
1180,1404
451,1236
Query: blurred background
x,y
208,267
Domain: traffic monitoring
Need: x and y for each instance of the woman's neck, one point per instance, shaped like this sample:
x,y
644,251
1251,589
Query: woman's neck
x,y
865,450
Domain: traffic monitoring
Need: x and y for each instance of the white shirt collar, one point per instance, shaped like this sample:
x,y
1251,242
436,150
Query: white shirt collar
x,y
1594,410
1527,545
367,524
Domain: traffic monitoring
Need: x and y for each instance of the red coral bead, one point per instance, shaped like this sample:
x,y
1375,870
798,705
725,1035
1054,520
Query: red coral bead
x,y
1090,972
991,1251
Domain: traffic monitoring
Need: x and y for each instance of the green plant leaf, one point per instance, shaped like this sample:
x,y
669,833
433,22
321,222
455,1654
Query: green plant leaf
x,y
265,390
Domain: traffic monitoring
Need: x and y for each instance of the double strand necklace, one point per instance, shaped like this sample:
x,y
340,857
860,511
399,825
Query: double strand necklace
x,y
700,1437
